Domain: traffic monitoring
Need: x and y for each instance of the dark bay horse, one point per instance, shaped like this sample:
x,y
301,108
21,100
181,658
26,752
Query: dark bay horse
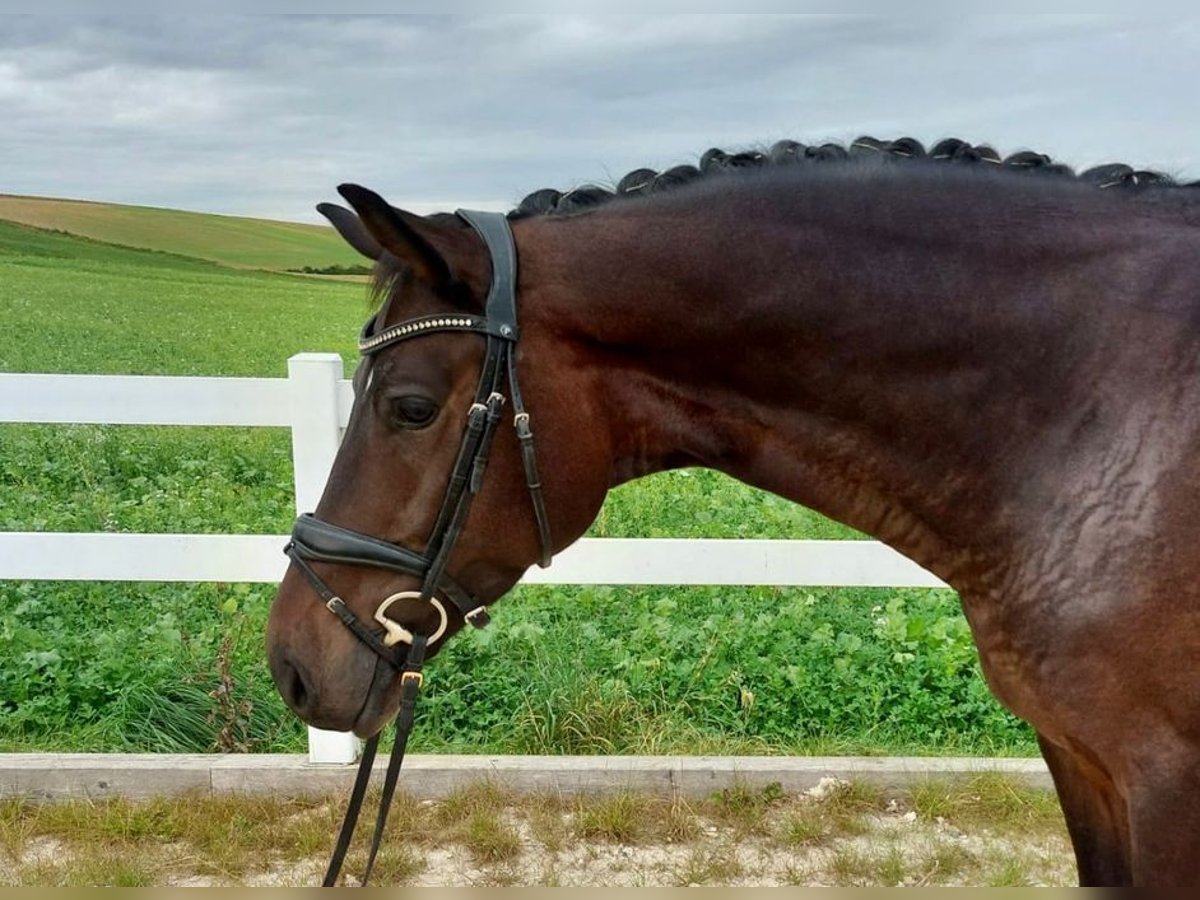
x,y
995,371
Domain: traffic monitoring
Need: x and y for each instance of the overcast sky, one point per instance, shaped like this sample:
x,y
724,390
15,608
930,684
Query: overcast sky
x,y
265,115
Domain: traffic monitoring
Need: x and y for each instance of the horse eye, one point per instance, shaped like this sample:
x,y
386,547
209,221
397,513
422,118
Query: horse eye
x,y
412,411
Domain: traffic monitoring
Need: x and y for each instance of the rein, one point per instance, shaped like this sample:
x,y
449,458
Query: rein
x,y
314,540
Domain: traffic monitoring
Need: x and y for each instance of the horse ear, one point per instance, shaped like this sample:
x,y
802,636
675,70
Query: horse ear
x,y
397,232
350,227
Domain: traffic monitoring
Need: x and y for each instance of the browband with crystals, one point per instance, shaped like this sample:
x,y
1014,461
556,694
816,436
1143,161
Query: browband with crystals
x,y
370,342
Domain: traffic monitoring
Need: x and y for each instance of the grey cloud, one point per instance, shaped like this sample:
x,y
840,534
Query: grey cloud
x,y
263,115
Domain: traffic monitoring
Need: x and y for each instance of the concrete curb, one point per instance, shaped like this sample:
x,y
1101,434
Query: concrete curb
x,y
98,775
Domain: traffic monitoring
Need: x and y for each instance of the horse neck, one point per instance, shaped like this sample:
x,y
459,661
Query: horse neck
x,y
885,355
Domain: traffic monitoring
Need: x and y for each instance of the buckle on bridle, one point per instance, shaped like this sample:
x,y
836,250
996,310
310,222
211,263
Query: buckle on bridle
x,y
478,617
418,677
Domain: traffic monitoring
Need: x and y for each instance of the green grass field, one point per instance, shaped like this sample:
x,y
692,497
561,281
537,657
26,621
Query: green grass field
x,y
72,305
605,670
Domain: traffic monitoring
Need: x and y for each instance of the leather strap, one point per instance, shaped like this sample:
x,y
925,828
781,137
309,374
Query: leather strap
x,y
319,541
457,501
501,303
533,481
361,780
325,542
410,688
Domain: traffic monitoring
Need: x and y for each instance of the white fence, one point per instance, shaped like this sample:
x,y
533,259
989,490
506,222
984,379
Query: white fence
x,y
314,402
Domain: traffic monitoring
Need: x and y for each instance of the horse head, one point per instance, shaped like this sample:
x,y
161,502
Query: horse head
x,y
410,540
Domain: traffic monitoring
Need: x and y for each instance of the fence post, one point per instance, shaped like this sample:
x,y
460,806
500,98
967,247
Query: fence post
x,y
316,432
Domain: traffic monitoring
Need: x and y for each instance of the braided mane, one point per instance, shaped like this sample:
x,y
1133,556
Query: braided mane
x,y
548,201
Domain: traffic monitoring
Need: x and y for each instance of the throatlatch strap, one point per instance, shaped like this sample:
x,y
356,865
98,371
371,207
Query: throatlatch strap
x,y
533,481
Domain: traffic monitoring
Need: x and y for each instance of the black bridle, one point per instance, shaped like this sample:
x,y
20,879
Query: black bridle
x,y
314,540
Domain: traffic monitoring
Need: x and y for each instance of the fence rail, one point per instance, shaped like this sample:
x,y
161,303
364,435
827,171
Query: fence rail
x,y
314,403
63,556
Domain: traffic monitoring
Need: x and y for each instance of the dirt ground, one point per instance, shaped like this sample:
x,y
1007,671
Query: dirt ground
x,y
895,853
812,840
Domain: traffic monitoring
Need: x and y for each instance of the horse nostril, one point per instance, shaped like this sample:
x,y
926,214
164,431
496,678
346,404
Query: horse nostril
x,y
292,686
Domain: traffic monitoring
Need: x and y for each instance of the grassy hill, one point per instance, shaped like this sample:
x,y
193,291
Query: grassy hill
x,y
72,305
229,240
